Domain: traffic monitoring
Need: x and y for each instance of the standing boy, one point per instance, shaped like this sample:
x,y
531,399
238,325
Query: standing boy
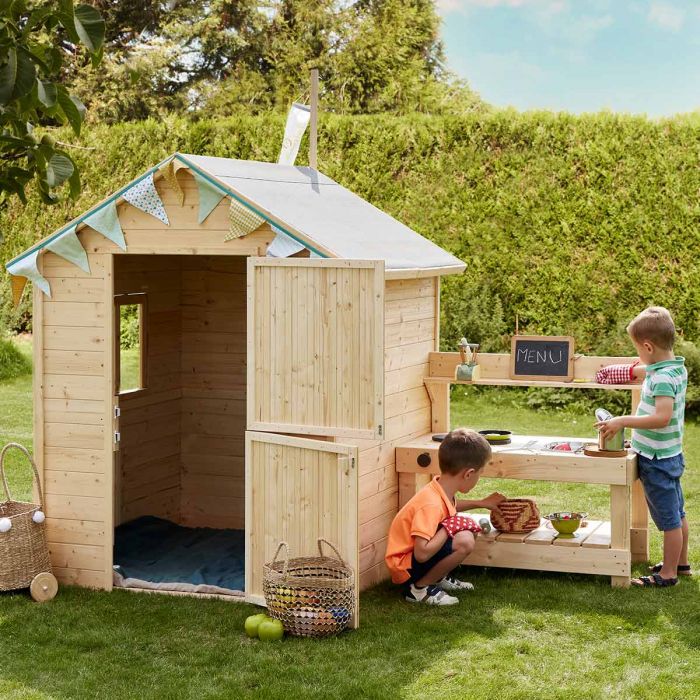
x,y
657,438
426,541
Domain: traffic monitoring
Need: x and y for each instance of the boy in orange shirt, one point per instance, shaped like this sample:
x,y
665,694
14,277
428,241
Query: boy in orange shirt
x,y
426,541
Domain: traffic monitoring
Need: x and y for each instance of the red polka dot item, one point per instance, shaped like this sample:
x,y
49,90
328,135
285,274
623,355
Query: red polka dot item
x,y
459,523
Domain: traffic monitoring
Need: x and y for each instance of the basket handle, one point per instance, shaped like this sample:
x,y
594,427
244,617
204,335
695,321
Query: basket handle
x,y
286,556
321,540
23,449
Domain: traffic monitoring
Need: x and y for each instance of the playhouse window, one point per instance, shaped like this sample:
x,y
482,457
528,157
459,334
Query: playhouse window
x,y
130,339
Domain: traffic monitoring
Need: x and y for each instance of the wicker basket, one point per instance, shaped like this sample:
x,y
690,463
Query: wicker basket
x,y
516,515
311,596
23,550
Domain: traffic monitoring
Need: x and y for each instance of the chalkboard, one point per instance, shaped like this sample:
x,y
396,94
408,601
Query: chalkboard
x,y
542,357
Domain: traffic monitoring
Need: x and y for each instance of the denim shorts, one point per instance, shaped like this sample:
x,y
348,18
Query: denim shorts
x,y
421,568
662,487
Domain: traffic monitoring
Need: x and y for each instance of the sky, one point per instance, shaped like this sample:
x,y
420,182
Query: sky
x,y
639,56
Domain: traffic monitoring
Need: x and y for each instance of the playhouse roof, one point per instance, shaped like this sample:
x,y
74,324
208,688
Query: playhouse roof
x,y
318,212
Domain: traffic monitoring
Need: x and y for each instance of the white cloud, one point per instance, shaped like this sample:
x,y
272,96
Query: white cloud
x,y
666,16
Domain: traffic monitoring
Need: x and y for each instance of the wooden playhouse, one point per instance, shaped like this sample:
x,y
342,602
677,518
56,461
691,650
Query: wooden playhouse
x,y
270,392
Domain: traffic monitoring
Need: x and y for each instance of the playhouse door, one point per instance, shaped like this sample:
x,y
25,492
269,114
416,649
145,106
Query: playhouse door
x,y
316,346
297,490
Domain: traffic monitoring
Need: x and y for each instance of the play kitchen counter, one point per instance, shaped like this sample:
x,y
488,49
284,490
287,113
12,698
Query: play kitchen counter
x,y
603,547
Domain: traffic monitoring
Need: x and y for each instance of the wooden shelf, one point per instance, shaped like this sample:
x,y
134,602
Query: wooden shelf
x,y
525,383
518,461
589,553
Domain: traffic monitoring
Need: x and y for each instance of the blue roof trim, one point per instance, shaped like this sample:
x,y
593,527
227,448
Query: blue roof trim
x,y
230,193
79,220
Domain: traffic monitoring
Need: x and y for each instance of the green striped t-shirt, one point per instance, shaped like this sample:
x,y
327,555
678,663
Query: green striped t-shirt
x,y
666,378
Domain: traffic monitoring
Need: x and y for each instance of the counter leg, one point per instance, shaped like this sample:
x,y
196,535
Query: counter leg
x,y
409,484
640,511
620,518
640,524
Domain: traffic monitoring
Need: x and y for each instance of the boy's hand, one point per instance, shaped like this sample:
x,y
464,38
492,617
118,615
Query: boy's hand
x,y
493,501
609,428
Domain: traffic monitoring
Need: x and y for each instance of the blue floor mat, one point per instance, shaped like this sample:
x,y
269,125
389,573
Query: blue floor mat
x,y
156,550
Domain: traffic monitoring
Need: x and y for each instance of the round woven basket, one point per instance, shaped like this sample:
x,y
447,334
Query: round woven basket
x,y
311,596
516,515
23,549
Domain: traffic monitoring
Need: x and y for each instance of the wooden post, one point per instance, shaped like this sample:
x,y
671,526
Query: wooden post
x,y
620,526
640,513
313,133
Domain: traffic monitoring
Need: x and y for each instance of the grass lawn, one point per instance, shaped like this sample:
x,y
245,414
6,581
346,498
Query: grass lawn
x,y
518,635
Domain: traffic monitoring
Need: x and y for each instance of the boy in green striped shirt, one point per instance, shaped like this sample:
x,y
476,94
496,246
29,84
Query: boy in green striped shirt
x,y
657,438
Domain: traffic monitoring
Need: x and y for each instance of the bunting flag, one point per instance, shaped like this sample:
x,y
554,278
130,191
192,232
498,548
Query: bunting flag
x,y
283,245
71,249
106,222
209,196
144,196
18,284
169,171
242,220
27,268
297,120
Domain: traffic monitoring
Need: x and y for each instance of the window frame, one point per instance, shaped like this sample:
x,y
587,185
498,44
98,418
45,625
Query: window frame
x,y
139,299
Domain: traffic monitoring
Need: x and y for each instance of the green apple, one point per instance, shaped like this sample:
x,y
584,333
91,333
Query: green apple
x,y
271,631
252,624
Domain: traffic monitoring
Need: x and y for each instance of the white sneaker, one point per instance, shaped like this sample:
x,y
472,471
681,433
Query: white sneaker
x,y
450,583
430,595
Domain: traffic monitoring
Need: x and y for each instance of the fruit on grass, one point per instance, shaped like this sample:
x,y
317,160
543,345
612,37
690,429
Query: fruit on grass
x,y
252,624
270,630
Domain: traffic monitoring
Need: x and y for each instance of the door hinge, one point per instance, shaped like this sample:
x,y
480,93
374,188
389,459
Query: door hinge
x,y
352,462
117,436
380,429
117,412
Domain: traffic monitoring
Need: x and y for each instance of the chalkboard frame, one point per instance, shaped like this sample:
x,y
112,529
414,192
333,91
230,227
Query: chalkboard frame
x,y
539,377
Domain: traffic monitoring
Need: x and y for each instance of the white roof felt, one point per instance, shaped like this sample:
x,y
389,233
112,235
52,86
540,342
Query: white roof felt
x,y
327,213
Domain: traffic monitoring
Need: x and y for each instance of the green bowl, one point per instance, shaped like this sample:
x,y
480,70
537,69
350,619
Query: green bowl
x,y
566,523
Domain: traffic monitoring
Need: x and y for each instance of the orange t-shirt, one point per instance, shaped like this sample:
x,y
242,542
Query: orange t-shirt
x,y
420,517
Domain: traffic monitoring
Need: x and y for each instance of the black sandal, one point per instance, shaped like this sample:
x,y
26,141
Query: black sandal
x,y
654,581
683,569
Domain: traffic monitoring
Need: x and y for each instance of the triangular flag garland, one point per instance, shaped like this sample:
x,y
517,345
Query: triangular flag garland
x,y
209,196
283,245
169,171
71,249
27,267
144,196
106,222
241,220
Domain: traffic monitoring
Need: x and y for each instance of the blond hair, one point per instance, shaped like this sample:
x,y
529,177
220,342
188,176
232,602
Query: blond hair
x,y
654,325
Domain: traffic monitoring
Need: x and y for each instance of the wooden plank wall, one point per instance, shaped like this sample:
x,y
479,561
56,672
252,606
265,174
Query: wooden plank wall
x,y
70,414
214,391
410,335
73,445
148,462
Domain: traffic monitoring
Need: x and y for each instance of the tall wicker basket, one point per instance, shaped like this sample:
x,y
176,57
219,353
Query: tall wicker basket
x,y
24,555
311,596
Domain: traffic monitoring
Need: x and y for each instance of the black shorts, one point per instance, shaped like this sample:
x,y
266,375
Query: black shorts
x,y
419,569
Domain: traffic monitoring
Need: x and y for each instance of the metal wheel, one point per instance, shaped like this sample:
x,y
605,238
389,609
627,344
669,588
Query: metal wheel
x,y
43,587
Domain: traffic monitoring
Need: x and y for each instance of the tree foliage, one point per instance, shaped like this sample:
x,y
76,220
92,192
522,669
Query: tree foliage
x,y
36,40
218,57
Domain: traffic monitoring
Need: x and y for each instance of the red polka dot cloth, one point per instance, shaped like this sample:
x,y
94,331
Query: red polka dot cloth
x,y
616,374
459,523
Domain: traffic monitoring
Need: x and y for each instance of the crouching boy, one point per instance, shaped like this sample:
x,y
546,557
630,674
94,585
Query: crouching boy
x,y
426,541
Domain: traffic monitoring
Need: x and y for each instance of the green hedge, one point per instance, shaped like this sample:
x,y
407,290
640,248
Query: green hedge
x,y
573,222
